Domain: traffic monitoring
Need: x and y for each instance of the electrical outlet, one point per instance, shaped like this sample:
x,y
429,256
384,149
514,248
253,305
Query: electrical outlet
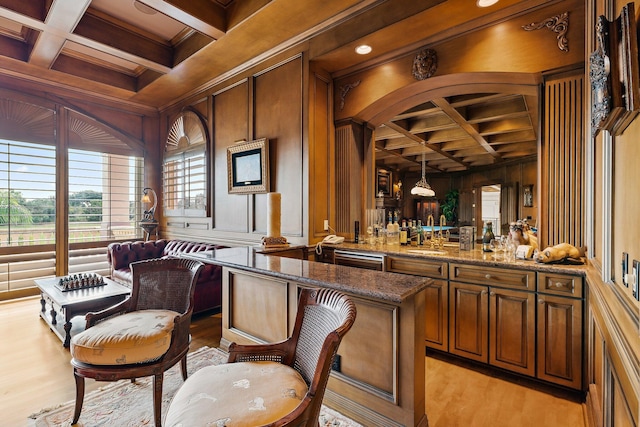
x,y
326,225
636,279
336,363
625,268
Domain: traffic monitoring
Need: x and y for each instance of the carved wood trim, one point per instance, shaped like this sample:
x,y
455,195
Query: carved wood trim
x,y
559,24
344,90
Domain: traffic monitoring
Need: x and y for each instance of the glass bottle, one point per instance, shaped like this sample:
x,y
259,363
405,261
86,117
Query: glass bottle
x,y
392,235
487,237
403,233
419,232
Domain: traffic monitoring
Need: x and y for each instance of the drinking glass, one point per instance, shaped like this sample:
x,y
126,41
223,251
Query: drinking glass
x,y
494,245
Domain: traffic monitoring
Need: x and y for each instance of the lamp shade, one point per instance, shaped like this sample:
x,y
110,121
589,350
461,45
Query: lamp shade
x,y
423,189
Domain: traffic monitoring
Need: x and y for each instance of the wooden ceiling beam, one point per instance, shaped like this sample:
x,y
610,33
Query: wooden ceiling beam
x,y
471,130
61,19
205,16
97,31
395,154
409,135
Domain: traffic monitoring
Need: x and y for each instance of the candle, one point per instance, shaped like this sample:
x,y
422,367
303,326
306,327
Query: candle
x,y
273,214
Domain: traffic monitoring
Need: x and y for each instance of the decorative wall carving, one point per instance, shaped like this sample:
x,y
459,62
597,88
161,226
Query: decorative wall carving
x,y
344,90
614,71
559,24
425,64
599,73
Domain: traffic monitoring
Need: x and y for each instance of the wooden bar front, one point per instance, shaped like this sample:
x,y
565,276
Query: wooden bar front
x,y
381,375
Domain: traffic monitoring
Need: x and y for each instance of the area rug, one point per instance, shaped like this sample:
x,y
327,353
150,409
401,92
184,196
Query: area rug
x,y
126,404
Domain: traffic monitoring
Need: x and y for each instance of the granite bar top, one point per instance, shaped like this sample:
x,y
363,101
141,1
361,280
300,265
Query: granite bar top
x,y
452,253
388,287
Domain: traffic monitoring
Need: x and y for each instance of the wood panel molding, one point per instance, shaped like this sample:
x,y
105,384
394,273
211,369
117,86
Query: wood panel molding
x,y
350,188
562,162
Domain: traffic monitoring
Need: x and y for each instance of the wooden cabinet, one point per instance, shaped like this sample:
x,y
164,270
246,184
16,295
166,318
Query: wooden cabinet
x,y
436,296
512,330
492,318
527,322
560,329
468,321
437,315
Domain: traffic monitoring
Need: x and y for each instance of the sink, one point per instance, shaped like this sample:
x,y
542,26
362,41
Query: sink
x,y
426,252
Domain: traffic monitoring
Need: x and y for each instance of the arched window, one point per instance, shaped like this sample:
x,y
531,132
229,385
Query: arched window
x,y
184,173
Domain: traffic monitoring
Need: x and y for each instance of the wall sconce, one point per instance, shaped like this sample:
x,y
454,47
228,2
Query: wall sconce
x,y
397,189
149,223
527,195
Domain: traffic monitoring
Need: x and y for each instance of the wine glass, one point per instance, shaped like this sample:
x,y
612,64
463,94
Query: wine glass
x,y
494,244
502,245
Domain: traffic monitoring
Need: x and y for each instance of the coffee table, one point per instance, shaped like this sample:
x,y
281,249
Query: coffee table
x,y
66,305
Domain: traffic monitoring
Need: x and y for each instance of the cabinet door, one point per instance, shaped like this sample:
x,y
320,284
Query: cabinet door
x,y
560,340
512,330
468,321
437,315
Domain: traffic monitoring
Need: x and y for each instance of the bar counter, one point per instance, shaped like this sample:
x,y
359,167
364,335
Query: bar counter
x,y
379,374
452,253
390,287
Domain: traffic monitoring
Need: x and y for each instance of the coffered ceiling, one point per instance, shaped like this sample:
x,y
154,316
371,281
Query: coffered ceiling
x,y
460,132
152,53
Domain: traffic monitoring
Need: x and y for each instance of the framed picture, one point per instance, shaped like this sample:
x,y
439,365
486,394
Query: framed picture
x,y
248,167
384,183
527,192
614,71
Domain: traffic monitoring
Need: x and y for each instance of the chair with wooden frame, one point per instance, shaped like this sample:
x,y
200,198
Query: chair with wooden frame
x,y
144,335
279,384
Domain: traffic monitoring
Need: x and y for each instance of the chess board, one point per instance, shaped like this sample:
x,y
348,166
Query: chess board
x,y
74,282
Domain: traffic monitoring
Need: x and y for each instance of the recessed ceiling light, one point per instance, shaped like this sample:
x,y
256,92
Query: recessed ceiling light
x,y
144,8
363,49
486,3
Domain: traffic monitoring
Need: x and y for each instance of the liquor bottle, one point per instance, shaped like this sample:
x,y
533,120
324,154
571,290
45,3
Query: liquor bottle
x,y
413,233
403,233
392,235
487,237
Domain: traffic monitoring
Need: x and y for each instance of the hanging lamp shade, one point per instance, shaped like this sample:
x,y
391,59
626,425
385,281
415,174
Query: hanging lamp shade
x,y
422,187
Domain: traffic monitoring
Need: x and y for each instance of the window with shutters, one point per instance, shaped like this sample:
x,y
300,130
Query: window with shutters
x,y
184,172
104,196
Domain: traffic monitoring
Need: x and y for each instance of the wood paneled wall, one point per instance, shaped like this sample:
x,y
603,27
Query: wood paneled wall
x,y
268,103
321,156
349,176
562,161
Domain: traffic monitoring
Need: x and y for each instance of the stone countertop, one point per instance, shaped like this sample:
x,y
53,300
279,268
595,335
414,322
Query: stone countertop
x,y
388,287
452,253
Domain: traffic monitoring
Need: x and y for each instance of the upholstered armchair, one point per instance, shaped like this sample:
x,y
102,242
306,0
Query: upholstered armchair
x,y
144,335
277,384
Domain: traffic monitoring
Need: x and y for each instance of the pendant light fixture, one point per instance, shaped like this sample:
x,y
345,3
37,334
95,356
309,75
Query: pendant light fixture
x,y
422,187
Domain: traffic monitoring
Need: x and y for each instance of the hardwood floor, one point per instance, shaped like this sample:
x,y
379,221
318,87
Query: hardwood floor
x,y
35,373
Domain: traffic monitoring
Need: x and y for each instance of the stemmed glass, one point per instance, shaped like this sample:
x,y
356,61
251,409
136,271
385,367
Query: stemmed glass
x,y
494,244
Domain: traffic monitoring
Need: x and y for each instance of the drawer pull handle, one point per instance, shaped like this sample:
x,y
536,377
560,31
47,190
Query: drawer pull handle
x,y
493,294
559,285
540,301
487,276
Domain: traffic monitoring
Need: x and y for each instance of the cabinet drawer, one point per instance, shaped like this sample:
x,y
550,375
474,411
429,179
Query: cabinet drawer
x,y
417,267
560,284
491,276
